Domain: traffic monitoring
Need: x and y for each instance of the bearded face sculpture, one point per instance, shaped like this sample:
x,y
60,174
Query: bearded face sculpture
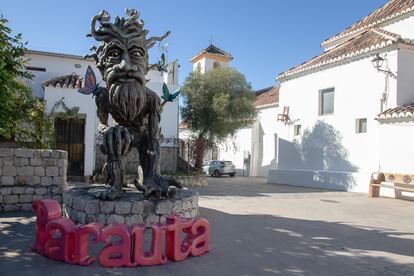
x,y
122,58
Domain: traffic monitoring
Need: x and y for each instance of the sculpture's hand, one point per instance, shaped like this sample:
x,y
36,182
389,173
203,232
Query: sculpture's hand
x,y
117,140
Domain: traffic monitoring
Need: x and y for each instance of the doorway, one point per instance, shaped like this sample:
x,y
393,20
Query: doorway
x,y
70,137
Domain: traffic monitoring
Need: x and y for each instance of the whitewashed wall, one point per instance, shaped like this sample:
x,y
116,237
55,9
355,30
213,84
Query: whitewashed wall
x,y
404,27
234,147
259,140
405,77
264,142
358,88
206,64
347,164
396,157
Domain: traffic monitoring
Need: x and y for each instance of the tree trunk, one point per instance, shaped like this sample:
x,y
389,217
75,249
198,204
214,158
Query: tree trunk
x,y
199,151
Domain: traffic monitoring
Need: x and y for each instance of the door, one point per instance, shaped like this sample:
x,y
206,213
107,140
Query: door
x,y
70,136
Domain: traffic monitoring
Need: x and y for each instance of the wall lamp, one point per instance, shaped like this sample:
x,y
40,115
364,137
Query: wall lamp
x,y
378,62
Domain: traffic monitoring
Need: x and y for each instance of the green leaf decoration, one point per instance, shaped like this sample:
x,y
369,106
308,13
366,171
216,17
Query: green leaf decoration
x,y
167,96
161,64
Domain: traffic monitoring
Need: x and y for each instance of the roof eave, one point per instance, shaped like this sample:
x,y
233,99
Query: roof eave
x,y
306,71
264,106
336,39
199,56
394,120
61,55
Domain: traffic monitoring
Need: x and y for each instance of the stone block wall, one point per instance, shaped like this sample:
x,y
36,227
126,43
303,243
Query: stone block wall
x,y
192,180
168,160
28,174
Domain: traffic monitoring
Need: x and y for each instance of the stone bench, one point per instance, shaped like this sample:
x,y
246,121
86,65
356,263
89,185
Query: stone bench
x,y
397,181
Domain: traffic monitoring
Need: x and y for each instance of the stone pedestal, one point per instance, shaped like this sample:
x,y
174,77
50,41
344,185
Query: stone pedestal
x,y
82,206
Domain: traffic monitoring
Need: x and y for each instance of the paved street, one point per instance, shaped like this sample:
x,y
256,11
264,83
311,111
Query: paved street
x,y
261,229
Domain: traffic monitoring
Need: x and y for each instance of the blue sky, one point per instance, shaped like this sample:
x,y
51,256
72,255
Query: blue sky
x,y
265,37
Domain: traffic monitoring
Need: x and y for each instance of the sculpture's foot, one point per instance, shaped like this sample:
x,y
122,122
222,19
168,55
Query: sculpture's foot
x,y
157,186
110,193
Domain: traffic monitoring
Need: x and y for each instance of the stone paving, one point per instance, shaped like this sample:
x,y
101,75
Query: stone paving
x,y
261,229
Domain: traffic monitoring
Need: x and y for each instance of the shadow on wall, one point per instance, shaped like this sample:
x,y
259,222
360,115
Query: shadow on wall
x,y
320,155
322,149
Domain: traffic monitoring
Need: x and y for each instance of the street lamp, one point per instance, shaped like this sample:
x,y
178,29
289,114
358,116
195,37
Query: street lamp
x,y
378,62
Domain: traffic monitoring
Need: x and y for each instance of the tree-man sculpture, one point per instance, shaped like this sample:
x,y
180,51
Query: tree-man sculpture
x,y
122,58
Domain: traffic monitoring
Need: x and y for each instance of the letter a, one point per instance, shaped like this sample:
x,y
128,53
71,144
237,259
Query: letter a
x,y
116,254
60,246
201,237
81,233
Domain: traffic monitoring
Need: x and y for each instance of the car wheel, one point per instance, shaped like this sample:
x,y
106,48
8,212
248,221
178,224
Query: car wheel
x,y
216,173
232,175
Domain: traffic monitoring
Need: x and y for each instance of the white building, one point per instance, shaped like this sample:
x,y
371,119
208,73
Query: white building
x,y
206,60
59,76
252,149
348,119
246,147
210,58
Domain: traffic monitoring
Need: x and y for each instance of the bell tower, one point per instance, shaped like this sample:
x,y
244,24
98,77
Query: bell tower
x,y
210,58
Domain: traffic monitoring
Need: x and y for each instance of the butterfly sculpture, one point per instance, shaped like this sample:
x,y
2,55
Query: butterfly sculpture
x,y
90,86
161,64
167,96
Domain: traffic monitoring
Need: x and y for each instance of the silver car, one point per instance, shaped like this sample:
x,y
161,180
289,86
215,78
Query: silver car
x,y
218,168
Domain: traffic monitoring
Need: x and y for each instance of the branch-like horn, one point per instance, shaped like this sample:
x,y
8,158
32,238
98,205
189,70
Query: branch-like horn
x,y
105,31
94,56
152,40
133,16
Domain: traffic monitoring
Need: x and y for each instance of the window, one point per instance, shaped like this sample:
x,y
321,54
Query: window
x,y
326,101
216,64
297,130
361,125
32,68
199,67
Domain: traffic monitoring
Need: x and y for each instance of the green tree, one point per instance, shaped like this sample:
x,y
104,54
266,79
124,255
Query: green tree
x,y
23,117
16,100
218,103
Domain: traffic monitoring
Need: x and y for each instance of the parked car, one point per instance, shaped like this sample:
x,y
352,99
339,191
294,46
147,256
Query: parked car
x,y
218,168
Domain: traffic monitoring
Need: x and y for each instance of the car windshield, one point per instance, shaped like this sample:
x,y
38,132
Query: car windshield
x,y
206,163
227,163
